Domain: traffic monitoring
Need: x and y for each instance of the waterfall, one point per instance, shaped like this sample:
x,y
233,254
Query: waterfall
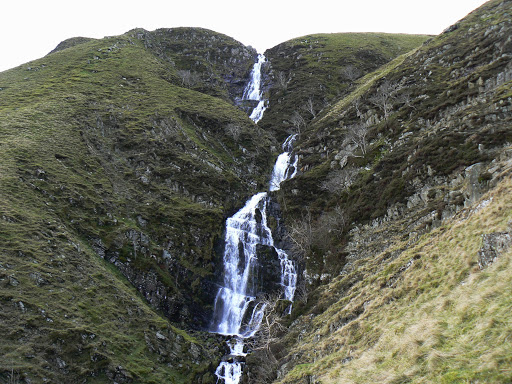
x,y
237,311
253,91
284,165
238,293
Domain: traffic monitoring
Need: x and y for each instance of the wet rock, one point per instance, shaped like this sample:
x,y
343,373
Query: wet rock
x,y
268,275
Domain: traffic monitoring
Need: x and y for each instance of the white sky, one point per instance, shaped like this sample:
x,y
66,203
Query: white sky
x,y
29,29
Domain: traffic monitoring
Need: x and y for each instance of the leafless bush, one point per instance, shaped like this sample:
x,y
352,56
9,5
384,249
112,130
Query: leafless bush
x,y
309,106
339,180
306,235
404,98
300,234
351,72
384,98
298,122
333,222
357,135
188,78
266,341
233,131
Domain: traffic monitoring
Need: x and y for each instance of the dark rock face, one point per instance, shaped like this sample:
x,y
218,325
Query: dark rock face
x,y
493,245
268,273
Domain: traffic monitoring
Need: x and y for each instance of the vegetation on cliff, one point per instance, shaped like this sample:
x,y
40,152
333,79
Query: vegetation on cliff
x,y
311,72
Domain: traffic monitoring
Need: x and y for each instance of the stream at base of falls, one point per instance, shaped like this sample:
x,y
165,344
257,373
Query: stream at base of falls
x,y
237,310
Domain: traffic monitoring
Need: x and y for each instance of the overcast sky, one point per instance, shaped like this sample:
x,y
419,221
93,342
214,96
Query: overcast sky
x,y
29,29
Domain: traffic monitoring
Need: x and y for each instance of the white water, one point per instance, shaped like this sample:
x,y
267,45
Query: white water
x,y
229,372
237,311
253,91
284,165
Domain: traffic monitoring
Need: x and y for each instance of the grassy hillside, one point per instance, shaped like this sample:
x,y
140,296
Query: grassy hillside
x,y
427,315
310,72
69,316
120,159
111,168
449,110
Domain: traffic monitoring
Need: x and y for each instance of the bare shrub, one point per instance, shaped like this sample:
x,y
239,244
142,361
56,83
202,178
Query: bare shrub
x,y
384,98
351,72
266,342
233,131
309,107
339,180
281,80
300,234
298,122
188,78
357,135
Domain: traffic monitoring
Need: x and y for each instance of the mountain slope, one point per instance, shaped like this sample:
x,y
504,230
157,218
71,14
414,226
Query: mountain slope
x,y
107,154
424,314
310,72
385,215
121,158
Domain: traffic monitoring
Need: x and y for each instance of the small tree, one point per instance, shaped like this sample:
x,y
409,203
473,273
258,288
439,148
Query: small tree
x,y
298,122
351,72
233,131
188,78
384,98
300,234
310,107
405,99
357,135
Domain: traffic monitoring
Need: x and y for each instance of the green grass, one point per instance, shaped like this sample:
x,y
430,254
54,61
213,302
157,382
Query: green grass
x,y
313,66
384,320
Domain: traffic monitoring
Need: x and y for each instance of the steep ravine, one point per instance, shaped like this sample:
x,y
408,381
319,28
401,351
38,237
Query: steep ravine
x,y
121,159
256,273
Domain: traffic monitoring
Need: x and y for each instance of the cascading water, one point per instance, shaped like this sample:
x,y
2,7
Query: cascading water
x,y
237,311
253,92
283,165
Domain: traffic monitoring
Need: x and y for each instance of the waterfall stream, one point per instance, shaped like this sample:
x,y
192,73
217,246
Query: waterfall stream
x,y
253,90
237,311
